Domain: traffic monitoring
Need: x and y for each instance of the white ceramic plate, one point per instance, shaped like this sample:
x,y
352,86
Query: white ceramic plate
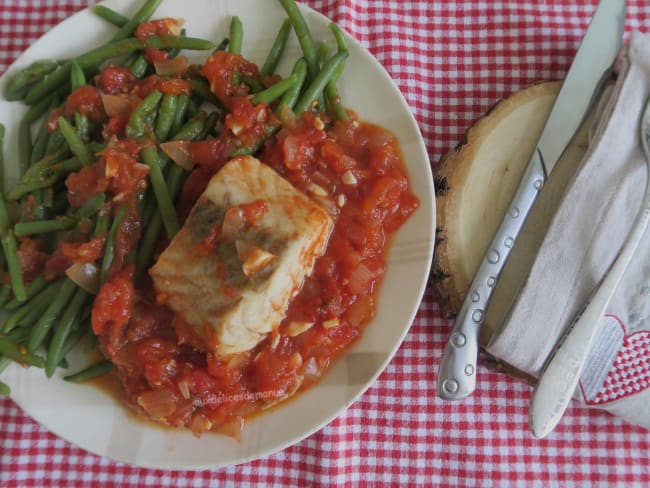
x,y
97,422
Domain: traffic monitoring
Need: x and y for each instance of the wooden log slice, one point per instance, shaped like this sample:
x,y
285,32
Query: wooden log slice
x,y
475,184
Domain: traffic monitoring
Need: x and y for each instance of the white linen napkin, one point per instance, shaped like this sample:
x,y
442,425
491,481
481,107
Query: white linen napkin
x,y
583,239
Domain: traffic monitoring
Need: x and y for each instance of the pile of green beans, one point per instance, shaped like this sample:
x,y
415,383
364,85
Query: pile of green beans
x,y
49,318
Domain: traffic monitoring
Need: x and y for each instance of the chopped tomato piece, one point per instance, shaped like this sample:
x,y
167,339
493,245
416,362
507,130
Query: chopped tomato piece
x,y
160,27
113,305
83,252
87,101
86,183
153,55
254,211
175,86
114,80
220,70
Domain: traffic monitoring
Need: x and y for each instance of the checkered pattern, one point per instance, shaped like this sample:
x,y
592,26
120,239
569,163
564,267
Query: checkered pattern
x,y
631,370
452,59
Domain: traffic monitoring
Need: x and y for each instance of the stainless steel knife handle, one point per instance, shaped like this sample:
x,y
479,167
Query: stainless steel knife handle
x,y
457,373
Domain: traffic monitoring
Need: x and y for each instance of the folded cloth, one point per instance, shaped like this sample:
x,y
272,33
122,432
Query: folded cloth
x,y
584,237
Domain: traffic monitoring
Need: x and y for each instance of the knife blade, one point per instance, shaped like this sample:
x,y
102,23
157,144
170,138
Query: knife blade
x,y
590,67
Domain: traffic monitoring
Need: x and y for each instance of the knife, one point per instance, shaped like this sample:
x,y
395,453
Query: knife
x,y
591,66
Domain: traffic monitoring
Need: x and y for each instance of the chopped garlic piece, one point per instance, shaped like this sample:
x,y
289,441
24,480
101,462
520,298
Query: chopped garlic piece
x,y
316,190
330,323
295,360
254,258
275,340
298,327
349,178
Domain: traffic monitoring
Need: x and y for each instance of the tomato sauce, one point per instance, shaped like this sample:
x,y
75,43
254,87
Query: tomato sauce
x,y
355,170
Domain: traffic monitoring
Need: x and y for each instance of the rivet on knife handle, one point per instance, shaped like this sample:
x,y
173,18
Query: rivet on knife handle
x,y
457,374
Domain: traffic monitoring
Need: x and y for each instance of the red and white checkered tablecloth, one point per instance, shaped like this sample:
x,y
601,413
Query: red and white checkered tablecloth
x,y
452,60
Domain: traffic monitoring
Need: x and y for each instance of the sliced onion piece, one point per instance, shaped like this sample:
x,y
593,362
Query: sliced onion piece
x,y
174,66
158,403
118,104
311,370
179,152
234,222
85,276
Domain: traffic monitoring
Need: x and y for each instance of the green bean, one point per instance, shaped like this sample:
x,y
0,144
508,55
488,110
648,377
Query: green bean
x,y
55,142
4,389
323,52
39,169
192,129
30,311
236,35
24,147
179,115
142,15
222,46
45,322
14,351
72,340
316,87
290,97
148,242
179,42
201,87
209,126
109,247
304,36
5,291
165,203
34,288
331,91
165,119
19,335
91,339
254,85
93,371
81,125
136,125
36,110
275,91
22,229
110,15
45,178
76,145
24,130
60,203
18,82
10,246
175,51
4,363
91,207
274,55
77,76
92,59
63,329
40,144
139,66
103,223
2,157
